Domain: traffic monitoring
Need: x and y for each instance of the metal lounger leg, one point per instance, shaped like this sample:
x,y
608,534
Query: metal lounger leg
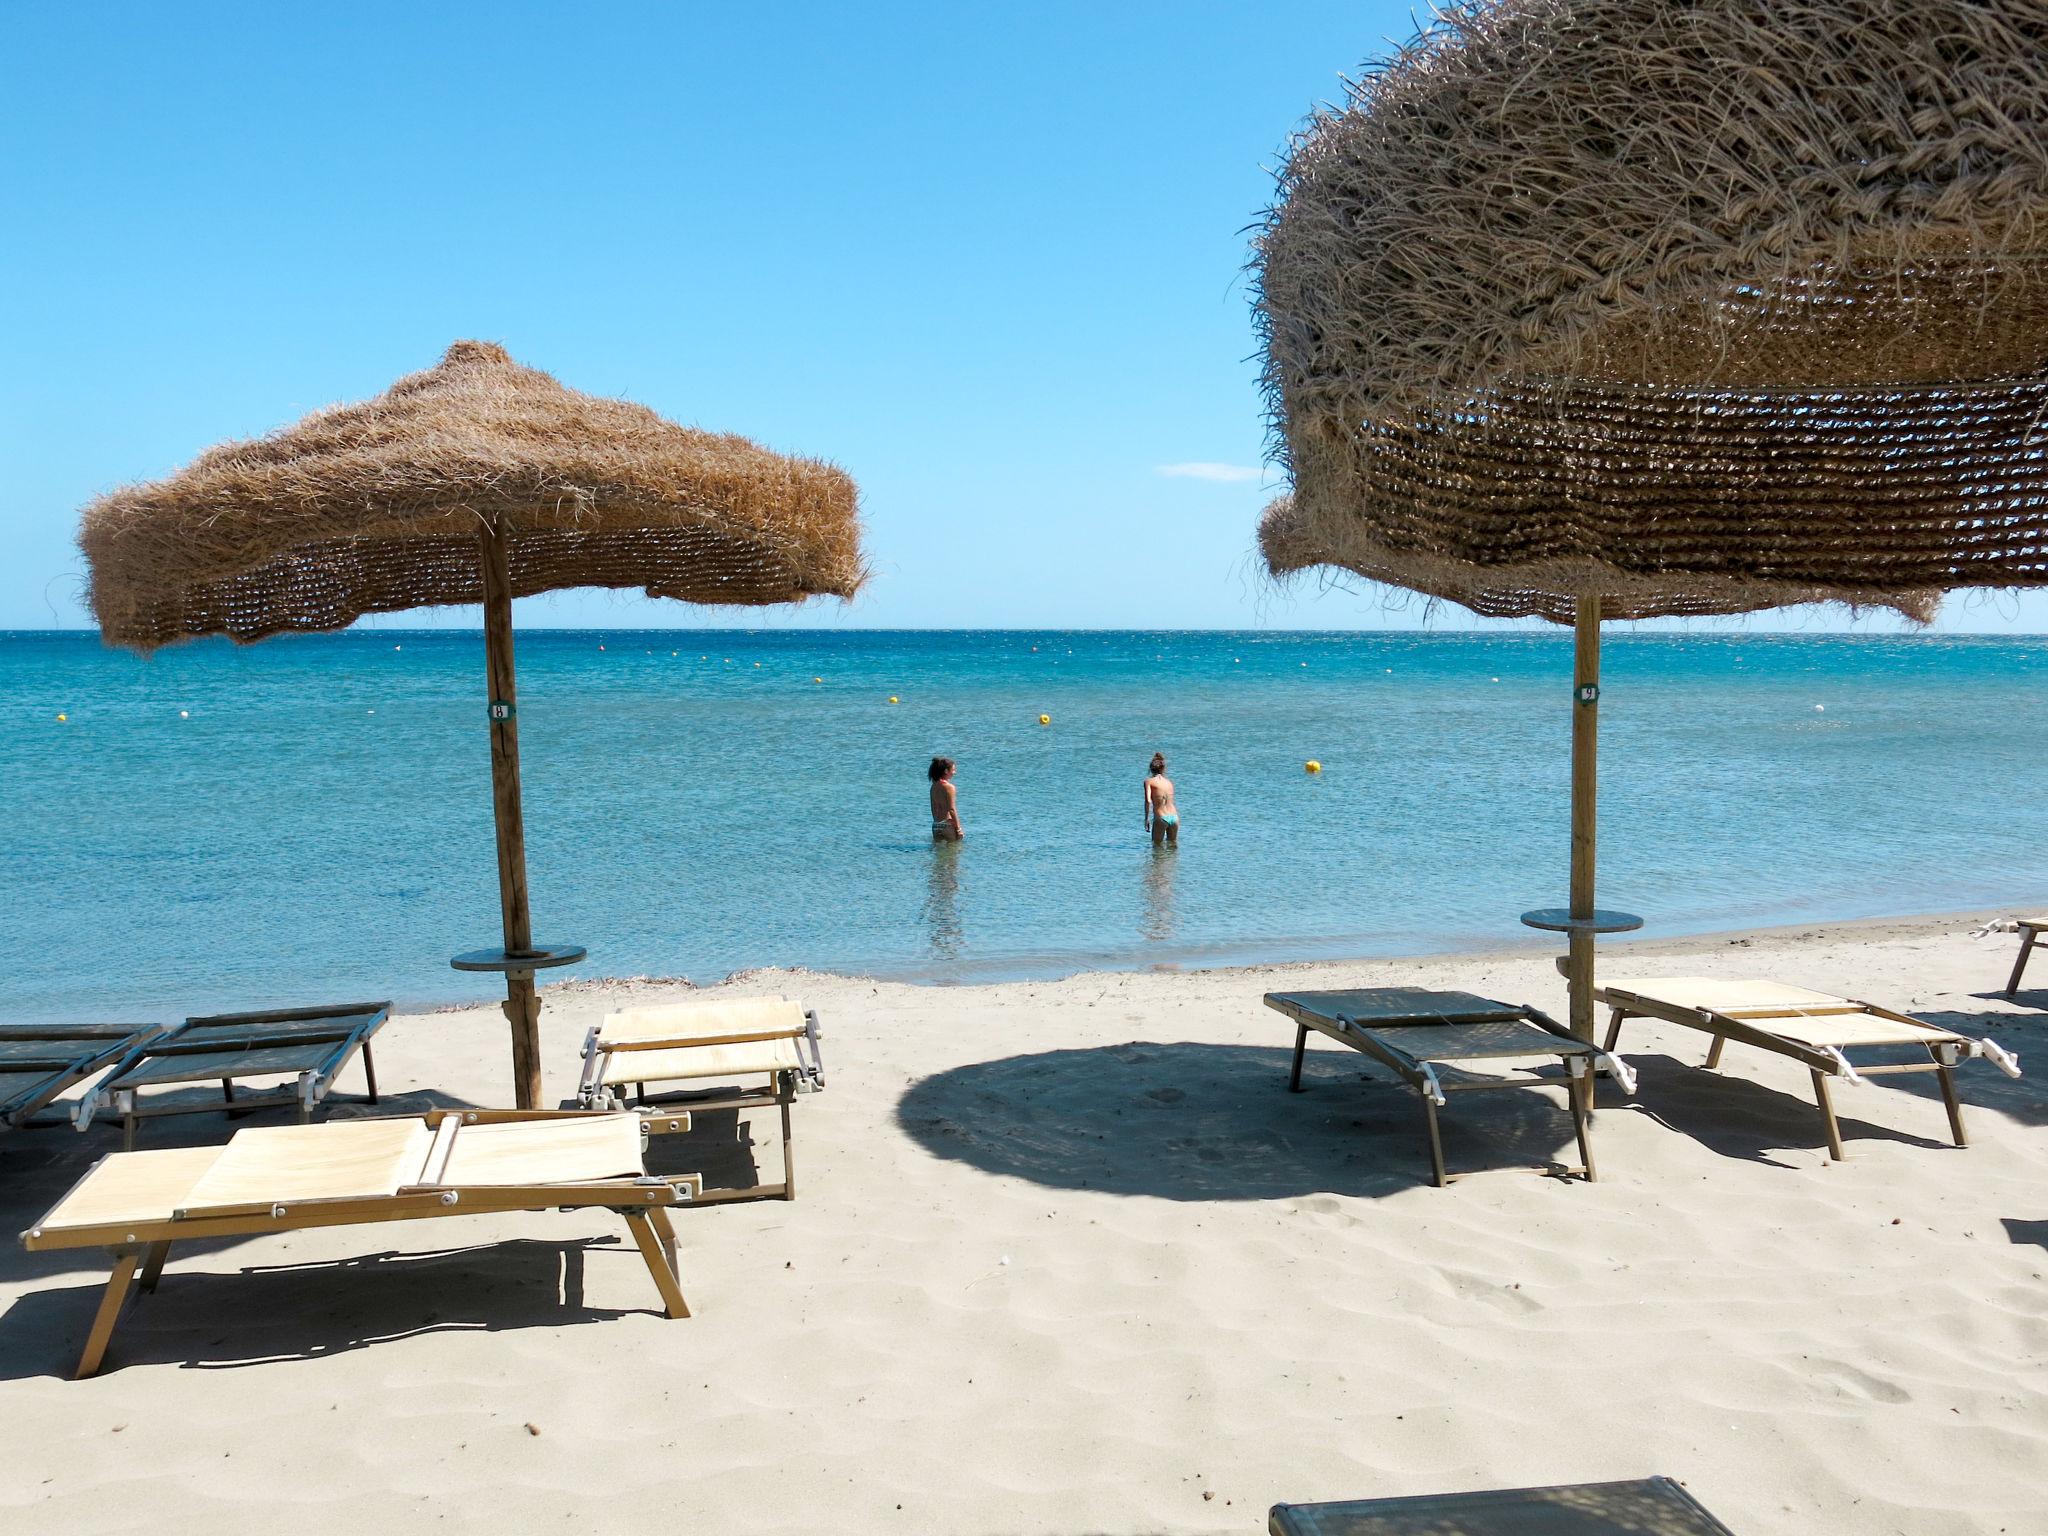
x,y
1436,1141
658,1263
1827,1114
118,1285
370,1070
1581,1095
153,1264
1300,1048
2019,964
1945,1076
788,1165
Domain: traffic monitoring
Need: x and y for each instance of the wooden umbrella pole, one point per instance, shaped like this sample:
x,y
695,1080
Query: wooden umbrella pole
x,y
1585,800
522,1004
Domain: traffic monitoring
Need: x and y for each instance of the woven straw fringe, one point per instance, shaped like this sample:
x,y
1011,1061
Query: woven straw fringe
x,y
1708,307
377,508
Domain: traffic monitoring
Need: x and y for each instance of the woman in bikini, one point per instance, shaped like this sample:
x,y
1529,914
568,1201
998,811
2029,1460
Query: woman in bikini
x,y
1162,816
945,802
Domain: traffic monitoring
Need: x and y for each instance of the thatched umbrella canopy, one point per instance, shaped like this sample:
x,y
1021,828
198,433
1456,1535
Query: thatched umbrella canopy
x,y
475,481
1623,308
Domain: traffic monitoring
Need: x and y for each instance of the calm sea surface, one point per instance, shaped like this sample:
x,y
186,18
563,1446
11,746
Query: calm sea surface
x,y
309,819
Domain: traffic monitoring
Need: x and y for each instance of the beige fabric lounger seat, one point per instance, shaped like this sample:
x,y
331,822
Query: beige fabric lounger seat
x,y
40,1062
1430,1038
308,1045
731,1053
1815,1029
283,1178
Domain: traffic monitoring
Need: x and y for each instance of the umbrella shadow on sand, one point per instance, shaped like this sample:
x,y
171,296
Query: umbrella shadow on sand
x,y
1188,1121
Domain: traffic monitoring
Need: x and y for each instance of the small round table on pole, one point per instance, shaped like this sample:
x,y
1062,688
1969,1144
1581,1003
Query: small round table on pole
x,y
1578,966
542,957
522,1005
1560,920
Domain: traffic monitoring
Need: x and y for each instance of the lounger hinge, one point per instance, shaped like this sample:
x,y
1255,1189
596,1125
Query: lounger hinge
x,y
1431,1087
1999,1056
1842,1066
1623,1073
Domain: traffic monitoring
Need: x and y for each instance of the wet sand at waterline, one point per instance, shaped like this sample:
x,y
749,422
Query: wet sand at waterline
x,y
1067,1257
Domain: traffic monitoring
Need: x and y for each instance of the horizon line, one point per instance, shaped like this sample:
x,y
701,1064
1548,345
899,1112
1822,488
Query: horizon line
x,y
1501,627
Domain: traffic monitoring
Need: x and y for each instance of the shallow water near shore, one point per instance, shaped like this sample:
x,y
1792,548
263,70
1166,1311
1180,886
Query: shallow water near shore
x,y
310,817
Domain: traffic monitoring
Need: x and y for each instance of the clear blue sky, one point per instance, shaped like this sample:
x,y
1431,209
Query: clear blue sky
x,y
989,259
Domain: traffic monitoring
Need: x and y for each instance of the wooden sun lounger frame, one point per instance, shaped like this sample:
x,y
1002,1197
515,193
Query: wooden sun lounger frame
x,y
1359,1037
2030,931
309,1086
140,1248
780,1094
1745,1025
93,1048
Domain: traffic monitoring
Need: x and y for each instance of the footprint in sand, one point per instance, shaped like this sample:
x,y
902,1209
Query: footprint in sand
x,y
1860,1383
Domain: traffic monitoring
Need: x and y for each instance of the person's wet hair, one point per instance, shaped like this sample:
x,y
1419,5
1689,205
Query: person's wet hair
x,y
1159,762
940,768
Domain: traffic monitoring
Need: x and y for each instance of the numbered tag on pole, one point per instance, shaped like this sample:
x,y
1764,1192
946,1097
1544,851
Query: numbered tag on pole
x,y
502,711
1588,693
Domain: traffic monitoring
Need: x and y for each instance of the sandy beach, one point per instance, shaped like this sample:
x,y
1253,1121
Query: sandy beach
x,y
1068,1258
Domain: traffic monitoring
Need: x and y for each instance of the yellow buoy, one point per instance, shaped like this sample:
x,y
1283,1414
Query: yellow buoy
x,y
817,679
1311,766
894,700
62,718
1045,719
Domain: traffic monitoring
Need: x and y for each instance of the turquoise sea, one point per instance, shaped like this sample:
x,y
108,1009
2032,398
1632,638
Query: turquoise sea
x,y
310,818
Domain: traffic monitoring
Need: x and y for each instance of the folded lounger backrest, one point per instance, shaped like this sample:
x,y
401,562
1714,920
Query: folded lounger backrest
x,y
308,1045
709,1052
38,1062
698,1041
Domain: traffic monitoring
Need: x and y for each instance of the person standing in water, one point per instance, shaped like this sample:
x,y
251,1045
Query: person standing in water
x,y
1162,816
945,802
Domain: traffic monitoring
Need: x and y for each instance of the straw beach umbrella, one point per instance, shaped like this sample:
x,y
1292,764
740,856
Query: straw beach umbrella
x,y
477,481
1590,309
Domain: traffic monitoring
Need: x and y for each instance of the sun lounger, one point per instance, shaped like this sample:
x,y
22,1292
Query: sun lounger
x,y
40,1062
2030,930
1649,1506
733,1053
308,1045
287,1177
1427,1038
1815,1029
